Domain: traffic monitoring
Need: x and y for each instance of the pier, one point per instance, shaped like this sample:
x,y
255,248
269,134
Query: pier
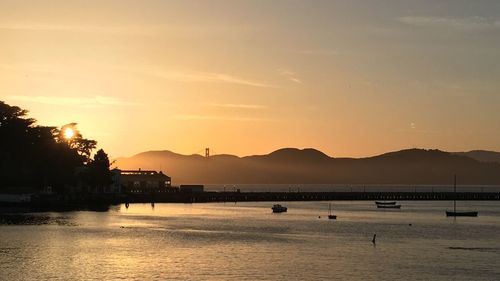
x,y
202,197
101,202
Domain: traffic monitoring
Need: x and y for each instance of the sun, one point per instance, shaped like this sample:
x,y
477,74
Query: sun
x,y
68,133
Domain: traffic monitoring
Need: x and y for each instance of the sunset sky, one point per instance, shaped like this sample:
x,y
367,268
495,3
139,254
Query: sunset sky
x,y
351,78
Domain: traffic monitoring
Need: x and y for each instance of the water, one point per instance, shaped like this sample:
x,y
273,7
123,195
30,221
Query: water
x,y
245,241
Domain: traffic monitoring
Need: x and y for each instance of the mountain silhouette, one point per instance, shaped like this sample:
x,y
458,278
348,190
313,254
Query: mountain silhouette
x,y
293,154
482,155
301,166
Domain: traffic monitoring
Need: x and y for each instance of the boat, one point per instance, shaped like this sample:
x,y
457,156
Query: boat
x,y
389,206
461,214
454,213
277,208
330,215
385,202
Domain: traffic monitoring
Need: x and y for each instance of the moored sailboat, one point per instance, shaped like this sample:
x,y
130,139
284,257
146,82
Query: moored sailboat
x,y
454,213
330,215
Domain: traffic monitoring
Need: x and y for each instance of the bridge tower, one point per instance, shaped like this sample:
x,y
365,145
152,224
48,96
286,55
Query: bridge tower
x,y
207,152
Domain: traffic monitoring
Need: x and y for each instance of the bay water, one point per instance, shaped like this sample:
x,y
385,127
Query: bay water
x,y
246,241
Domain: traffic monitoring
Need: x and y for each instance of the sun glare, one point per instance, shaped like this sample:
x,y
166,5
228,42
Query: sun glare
x,y
68,133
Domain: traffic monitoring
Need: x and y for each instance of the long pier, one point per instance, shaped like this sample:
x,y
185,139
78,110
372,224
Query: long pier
x,y
200,197
102,202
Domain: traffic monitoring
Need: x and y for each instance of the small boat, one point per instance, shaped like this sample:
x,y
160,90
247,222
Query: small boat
x,y
454,213
389,206
330,215
277,208
385,202
461,214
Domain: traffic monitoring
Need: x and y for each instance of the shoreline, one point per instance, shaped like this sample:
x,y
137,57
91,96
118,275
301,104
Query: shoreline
x,y
102,202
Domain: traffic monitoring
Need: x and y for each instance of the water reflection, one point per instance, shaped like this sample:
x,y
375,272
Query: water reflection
x,y
34,219
247,241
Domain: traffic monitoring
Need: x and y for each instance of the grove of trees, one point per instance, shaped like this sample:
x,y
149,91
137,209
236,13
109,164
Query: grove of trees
x,y
35,156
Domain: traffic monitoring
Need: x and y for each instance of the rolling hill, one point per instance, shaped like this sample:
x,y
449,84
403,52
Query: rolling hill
x,y
294,166
482,155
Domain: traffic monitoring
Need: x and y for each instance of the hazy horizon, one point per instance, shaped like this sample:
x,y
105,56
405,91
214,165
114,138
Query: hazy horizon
x,y
201,152
352,79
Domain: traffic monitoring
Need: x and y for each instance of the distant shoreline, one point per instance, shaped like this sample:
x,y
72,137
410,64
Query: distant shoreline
x,y
102,202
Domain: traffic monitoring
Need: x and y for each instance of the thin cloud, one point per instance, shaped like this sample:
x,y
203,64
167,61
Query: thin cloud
x,y
180,76
468,23
201,30
220,117
31,67
75,101
290,75
206,77
59,27
232,105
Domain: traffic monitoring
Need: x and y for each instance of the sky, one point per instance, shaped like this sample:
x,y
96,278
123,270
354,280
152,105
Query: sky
x,y
350,78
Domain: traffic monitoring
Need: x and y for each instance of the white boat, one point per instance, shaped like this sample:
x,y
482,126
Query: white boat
x,y
389,206
277,208
385,202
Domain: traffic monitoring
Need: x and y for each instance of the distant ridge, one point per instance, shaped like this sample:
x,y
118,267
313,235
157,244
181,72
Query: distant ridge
x,y
293,154
295,166
482,155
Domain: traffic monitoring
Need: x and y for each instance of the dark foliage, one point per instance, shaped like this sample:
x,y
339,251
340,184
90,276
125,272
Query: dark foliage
x,y
36,156
98,170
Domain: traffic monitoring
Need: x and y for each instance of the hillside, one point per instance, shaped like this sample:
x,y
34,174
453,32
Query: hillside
x,y
292,166
482,155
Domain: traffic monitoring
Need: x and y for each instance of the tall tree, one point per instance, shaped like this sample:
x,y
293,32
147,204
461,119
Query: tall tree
x,y
34,156
99,173
75,140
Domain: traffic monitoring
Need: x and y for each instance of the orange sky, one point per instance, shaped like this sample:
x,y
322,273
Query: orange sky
x,y
248,77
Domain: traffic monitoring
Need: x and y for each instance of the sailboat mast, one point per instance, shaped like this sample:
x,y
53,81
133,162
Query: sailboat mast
x,y
455,195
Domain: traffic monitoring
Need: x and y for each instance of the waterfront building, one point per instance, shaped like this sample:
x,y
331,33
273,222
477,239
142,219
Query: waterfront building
x,y
142,181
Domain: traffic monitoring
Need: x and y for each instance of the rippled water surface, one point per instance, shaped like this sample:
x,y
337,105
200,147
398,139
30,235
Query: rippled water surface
x,y
245,241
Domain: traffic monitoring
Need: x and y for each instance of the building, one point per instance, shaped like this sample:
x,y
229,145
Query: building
x,y
142,181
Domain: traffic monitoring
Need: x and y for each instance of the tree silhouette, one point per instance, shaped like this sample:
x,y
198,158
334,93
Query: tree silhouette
x,y
33,156
98,170
83,146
